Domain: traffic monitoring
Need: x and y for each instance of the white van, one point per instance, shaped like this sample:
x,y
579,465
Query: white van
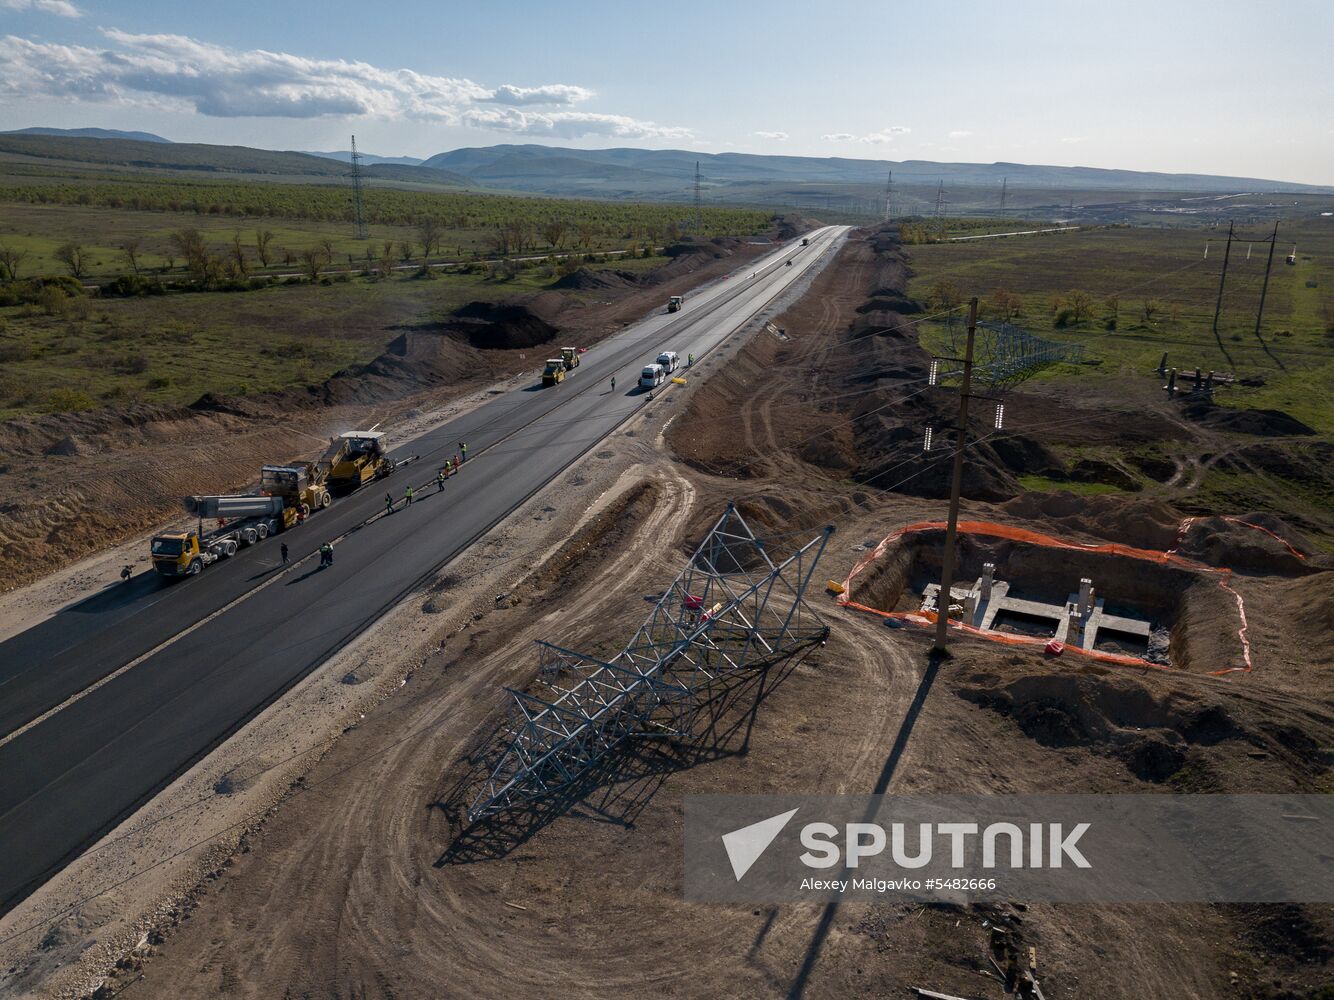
x,y
669,361
652,376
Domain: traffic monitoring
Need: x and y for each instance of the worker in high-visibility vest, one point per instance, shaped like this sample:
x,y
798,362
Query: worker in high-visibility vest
x,y
407,496
440,481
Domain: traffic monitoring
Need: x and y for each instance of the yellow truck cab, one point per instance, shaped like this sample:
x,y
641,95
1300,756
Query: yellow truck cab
x,y
554,372
570,355
177,553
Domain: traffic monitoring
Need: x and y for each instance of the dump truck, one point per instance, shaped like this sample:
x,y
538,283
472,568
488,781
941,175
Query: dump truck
x,y
554,373
676,303
805,241
242,520
355,458
570,355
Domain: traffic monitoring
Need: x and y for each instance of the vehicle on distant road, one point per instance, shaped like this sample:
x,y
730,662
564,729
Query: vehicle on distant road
x,y
652,376
669,361
805,241
570,356
676,303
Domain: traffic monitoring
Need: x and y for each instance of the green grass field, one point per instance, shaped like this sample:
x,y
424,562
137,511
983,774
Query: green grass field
x,y
174,348
1121,269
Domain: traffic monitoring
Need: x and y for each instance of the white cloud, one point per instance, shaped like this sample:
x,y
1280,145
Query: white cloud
x,y
61,8
870,138
775,136
174,72
568,124
1071,139
553,93
959,133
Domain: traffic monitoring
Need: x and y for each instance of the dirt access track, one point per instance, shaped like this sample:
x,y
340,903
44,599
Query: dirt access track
x,y
346,886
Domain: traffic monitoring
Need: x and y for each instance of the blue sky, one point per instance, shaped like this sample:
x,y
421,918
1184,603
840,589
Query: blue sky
x,y
1219,87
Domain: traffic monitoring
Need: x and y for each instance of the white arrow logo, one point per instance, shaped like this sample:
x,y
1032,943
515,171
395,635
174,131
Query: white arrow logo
x,y
745,846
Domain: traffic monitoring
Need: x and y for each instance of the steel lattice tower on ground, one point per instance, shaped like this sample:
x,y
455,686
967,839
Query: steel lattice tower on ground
x,y
732,609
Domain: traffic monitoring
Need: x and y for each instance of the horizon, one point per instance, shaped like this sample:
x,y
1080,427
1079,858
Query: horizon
x,y
1038,93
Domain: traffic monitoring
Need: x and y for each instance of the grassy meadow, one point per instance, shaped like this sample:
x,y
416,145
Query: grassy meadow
x,y
1129,294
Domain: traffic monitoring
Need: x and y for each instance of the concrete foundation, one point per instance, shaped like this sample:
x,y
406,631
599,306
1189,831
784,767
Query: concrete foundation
x,y
1075,621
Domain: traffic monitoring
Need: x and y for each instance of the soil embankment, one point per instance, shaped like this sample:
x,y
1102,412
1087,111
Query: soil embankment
x,y
73,483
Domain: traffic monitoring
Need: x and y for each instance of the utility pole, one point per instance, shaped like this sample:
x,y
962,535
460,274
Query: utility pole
x,y
1222,277
1004,182
956,483
1273,241
889,197
356,193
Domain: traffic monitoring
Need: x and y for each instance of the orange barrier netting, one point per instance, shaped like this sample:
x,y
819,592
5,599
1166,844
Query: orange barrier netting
x,y
1048,541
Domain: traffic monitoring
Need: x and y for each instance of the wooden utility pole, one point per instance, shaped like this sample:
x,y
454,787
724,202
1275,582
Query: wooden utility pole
x,y
956,484
1222,277
1273,241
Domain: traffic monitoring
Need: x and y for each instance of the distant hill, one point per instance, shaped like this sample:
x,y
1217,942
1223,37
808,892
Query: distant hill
x,y
90,133
199,157
367,159
558,170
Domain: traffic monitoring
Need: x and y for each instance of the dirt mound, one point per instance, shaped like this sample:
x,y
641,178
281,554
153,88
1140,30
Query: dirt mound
x,y
1152,734
1142,522
1263,423
584,280
513,324
88,432
719,246
788,227
1225,542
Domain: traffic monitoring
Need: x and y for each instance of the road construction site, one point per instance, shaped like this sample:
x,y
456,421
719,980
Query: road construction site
x,y
315,850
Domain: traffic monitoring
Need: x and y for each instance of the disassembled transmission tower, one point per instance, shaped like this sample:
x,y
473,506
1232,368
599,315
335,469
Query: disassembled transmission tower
x,y
357,203
732,609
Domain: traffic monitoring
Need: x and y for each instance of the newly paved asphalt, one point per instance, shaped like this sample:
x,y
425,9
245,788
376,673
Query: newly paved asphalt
x,y
84,768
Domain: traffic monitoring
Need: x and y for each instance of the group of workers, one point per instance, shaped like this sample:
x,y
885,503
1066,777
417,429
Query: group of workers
x,y
450,468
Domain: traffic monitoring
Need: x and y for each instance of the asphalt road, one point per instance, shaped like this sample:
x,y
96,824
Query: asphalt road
x,y
214,650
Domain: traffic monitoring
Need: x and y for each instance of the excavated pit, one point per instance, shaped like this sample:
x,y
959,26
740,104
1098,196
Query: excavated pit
x,y
1188,614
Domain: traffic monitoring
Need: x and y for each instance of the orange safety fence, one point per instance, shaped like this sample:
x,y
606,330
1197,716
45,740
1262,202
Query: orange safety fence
x,y
1030,537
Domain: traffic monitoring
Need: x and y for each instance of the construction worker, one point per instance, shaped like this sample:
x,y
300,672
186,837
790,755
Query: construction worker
x,y
457,461
613,383
690,361
283,552
125,574
463,450
388,504
326,555
407,495
440,481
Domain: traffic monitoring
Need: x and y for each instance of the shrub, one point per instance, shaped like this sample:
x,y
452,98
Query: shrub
x,y
130,285
69,401
132,364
